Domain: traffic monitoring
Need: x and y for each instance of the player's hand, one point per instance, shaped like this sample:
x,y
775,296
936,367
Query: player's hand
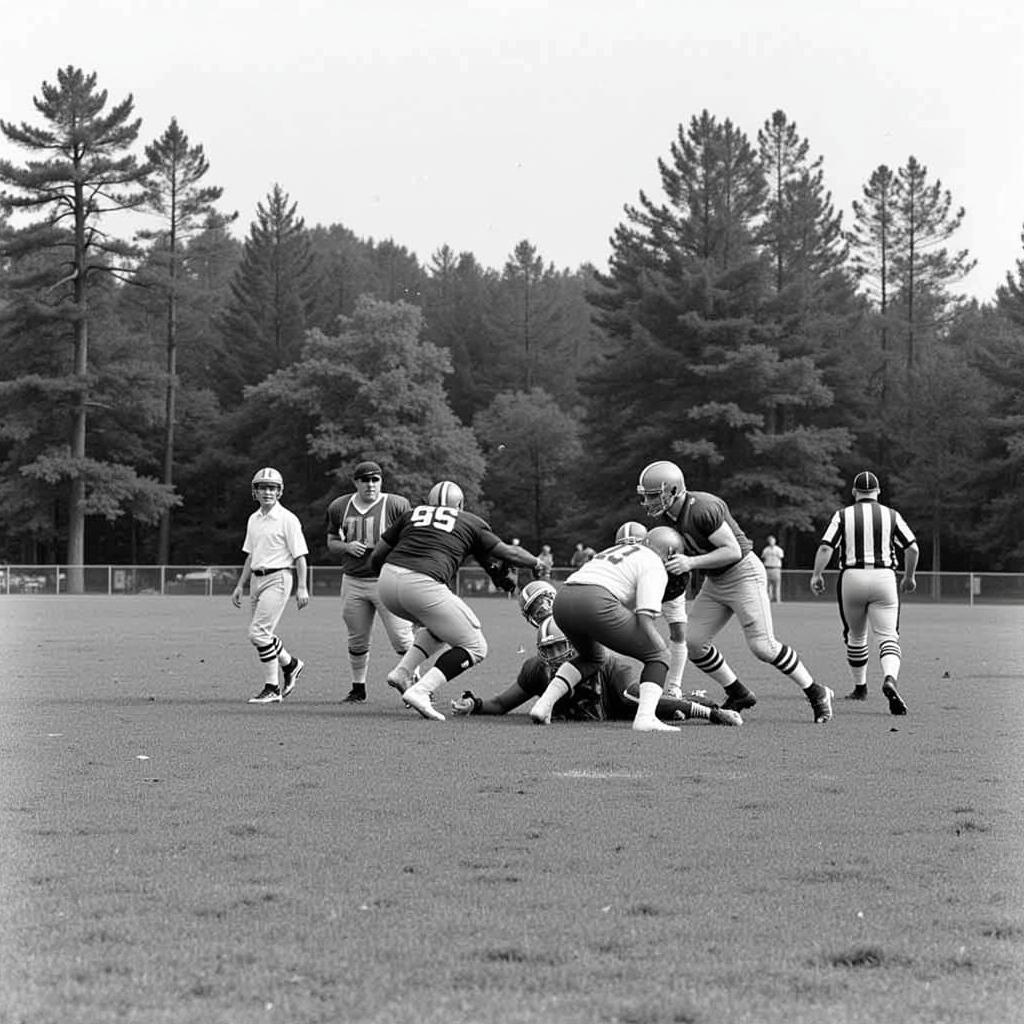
x,y
357,548
909,584
677,564
302,598
817,584
236,597
464,705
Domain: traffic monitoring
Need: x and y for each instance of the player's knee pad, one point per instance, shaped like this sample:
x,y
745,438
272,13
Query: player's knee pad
x,y
454,661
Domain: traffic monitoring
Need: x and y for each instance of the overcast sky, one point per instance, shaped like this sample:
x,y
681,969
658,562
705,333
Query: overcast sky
x,y
481,124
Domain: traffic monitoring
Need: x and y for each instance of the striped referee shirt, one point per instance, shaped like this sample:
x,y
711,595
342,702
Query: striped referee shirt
x,y
867,535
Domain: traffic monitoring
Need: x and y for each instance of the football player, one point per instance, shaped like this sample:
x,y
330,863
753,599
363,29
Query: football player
x,y
609,694
418,557
610,604
275,561
355,521
734,584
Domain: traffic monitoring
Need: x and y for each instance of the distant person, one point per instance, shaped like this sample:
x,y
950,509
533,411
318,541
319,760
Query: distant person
x,y
868,536
578,556
546,562
734,585
588,554
355,522
275,561
418,558
772,556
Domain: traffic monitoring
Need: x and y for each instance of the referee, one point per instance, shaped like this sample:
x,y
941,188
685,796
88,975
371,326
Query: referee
x,y
867,535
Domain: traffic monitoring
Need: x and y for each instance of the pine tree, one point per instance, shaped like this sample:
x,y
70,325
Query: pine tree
x,y
801,230
81,171
185,206
923,268
1010,296
272,296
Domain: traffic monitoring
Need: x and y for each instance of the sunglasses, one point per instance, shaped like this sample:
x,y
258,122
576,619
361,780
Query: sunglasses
x,y
368,479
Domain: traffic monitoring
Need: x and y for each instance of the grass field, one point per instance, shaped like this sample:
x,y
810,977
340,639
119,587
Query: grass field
x,y
172,855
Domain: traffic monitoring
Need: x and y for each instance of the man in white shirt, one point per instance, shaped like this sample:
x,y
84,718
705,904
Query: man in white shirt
x,y
275,551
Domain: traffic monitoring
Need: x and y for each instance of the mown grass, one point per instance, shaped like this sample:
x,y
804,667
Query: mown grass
x,y
171,854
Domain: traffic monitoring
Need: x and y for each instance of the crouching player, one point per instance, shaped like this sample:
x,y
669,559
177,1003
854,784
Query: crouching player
x,y
611,693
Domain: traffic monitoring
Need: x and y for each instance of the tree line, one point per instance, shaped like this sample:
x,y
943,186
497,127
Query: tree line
x,y
740,328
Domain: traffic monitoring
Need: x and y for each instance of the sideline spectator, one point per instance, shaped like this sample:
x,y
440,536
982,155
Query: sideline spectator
x,y
772,556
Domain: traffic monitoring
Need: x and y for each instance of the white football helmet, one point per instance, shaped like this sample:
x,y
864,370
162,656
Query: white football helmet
x,y
267,476
665,542
552,645
631,533
660,484
446,493
535,600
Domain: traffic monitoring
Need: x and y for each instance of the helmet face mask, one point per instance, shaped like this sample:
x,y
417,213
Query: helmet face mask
x,y
535,601
267,486
661,483
552,646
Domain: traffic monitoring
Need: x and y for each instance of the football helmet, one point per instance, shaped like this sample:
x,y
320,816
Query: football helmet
x,y
446,493
265,476
535,600
664,541
552,645
631,533
660,484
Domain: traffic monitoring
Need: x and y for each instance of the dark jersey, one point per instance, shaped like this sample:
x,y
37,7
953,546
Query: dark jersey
x,y
435,540
347,523
595,699
699,517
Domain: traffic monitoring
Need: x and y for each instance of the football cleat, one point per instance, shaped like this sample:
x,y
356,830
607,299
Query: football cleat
x,y
268,695
291,676
891,694
823,707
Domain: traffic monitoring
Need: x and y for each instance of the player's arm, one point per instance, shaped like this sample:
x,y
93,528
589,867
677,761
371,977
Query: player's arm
x,y
821,559
301,578
243,581
910,556
531,682
726,551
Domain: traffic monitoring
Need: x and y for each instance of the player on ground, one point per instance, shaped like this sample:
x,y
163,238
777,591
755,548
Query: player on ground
x,y
867,535
355,522
275,560
609,694
611,602
734,584
418,558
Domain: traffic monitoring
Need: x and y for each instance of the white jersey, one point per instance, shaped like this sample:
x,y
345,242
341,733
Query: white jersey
x,y
274,539
632,573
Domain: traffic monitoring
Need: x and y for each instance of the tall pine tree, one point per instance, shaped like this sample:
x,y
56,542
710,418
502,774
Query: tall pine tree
x,y
272,297
81,170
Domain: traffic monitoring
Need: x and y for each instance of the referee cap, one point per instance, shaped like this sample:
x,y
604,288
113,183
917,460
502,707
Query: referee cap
x,y
865,482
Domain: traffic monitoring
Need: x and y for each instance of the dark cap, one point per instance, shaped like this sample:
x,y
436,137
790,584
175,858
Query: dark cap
x,y
367,469
864,482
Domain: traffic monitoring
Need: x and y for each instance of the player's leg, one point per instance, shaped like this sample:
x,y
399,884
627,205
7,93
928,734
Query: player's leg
x,y
852,597
451,620
884,613
674,613
357,612
744,587
269,595
708,616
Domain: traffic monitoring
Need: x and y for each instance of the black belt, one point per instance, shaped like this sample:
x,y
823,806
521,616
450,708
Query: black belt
x,y
267,572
